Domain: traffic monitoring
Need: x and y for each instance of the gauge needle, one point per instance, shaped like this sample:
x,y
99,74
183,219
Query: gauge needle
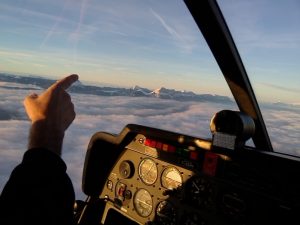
x,y
149,169
196,186
143,202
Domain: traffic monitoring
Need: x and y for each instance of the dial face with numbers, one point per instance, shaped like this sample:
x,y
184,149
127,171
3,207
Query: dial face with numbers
x,y
171,178
143,202
148,171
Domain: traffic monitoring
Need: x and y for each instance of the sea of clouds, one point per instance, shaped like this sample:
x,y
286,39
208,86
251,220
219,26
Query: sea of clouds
x,y
111,114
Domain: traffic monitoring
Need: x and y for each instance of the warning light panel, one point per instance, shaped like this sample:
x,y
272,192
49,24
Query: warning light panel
x,y
183,152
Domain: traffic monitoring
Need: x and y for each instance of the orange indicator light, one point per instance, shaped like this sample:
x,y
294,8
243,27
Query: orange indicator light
x,y
165,147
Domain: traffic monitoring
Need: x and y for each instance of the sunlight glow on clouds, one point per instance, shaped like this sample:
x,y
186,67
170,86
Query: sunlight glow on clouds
x,y
151,44
111,114
96,113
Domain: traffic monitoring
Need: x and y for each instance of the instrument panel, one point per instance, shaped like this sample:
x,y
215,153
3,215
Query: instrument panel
x,y
159,177
145,187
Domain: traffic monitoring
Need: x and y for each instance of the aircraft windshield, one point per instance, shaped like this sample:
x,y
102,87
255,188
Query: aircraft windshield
x,y
268,38
153,48
142,62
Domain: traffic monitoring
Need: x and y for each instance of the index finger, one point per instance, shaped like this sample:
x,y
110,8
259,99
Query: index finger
x,y
66,82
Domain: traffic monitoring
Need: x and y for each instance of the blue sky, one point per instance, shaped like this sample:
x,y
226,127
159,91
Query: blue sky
x,y
151,43
267,33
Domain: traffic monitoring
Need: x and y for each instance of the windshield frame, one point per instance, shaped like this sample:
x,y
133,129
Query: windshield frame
x,y
210,20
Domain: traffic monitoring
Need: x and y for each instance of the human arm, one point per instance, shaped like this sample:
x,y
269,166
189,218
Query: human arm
x,y
39,191
51,113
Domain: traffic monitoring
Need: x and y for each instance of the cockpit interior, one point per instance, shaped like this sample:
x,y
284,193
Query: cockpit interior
x,y
159,177
145,175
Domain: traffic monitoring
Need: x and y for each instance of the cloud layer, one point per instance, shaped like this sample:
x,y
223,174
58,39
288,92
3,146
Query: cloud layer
x,y
111,114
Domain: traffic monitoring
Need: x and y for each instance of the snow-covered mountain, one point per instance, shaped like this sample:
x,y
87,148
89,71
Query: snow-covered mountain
x,y
135,91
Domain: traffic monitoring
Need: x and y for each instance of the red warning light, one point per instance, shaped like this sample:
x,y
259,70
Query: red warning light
x,y
159,145
147,142
152,144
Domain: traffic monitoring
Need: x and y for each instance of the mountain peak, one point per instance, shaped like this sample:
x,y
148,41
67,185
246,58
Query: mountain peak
x,y
158,90
77,83
136,91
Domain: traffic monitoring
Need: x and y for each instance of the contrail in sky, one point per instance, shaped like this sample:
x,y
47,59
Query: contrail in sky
x,y
54,27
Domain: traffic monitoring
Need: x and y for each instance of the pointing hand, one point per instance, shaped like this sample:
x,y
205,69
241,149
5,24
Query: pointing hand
x,y
51,113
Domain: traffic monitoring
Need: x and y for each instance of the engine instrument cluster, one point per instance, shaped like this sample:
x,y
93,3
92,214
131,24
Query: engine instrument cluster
x,y
143,186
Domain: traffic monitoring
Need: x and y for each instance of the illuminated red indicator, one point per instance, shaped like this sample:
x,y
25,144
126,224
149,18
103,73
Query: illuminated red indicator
x,y
171,148
210,163
152,144
193,155
159,145
147,142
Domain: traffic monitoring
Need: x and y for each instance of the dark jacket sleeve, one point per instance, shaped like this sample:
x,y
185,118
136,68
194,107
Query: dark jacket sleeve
x,y
38,191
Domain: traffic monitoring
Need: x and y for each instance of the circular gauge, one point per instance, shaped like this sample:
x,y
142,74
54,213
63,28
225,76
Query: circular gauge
x,y
126,169
148,171
200,192
143,202
165,213
171,178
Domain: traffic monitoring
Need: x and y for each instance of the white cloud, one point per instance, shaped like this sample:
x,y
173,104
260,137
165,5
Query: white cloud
x,y
283,126
111,114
